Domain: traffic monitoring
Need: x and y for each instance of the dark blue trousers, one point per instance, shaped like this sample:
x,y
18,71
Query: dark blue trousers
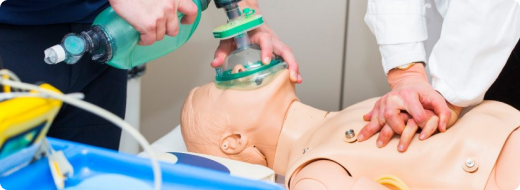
x,y
21,49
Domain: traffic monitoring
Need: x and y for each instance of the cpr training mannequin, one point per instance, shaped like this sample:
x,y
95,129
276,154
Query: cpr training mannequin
x,y
269,126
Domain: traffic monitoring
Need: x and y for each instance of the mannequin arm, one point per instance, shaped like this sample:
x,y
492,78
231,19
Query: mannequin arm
x,y
328,175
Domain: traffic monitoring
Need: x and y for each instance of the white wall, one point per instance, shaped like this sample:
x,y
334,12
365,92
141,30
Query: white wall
x,y
315,30
364,76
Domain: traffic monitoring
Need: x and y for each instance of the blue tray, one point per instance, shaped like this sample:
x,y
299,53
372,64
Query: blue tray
x,y
89,161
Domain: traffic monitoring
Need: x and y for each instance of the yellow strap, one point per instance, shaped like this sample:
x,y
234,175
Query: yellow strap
x,y
392,182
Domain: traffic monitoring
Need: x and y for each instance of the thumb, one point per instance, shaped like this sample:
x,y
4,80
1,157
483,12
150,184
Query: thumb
x,y
223,50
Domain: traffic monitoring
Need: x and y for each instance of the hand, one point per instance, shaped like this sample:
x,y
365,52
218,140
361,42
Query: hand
x,y
412,93
154,19
268,42
386,133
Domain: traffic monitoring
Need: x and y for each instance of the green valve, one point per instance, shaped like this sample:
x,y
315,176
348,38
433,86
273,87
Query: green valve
x,y
248,21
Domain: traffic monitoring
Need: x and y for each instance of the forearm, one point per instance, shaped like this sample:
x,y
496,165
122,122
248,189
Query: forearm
x,y
400,29
477,40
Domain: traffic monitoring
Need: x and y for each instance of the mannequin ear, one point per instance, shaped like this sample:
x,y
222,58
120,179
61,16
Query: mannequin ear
x,y
233,144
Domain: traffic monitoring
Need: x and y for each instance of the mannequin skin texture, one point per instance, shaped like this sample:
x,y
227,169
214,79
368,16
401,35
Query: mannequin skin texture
x,y
270,127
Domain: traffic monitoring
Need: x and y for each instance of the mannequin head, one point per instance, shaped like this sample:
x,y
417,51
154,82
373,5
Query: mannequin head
x,y
237,124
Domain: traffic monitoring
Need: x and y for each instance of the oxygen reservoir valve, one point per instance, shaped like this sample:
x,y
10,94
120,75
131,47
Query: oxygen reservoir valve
x,y
73,46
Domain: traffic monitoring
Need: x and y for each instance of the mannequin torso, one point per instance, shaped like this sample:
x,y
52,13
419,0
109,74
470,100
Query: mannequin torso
x,y
436,163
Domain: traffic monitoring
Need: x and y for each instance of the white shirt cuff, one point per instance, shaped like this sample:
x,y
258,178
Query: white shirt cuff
x,y
397,22
400,54
453,97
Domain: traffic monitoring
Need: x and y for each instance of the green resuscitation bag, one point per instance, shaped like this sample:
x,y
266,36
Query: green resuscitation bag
x,y
112,40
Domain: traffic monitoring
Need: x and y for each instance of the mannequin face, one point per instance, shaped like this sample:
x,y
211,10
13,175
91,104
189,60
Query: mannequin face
x,y
238,124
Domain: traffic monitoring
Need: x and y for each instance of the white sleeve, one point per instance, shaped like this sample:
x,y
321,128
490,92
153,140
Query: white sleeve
x,y
400,29
476,41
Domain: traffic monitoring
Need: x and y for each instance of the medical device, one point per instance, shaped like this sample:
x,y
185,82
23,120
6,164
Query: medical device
x,y
113,40
243,68
24,121
26,113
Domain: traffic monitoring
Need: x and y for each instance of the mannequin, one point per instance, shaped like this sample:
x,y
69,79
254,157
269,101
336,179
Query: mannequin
x,y
269,126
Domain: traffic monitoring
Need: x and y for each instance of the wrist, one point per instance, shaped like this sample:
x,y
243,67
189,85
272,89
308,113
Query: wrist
x,y
415,71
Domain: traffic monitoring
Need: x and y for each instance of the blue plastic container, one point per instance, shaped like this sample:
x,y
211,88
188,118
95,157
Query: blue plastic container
x,y
90,161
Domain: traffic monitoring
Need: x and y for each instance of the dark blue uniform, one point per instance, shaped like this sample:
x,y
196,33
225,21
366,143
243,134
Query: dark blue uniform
x,y
27,28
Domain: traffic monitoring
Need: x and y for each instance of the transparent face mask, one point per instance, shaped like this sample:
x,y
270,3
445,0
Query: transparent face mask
x,y
244,70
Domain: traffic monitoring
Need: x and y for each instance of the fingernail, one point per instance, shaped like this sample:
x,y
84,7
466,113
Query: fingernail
x,y
293,76
360,138
379,144
401,148
267,60
300,79
421,137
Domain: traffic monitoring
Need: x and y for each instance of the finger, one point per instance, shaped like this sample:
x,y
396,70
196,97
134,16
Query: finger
x,y
148,36
373,126
405,116
190,11
285,52
172,25
393,113
223,50
160,30
266,45
384,136
414,107
440,107
381,114
370,129
430,128
367,116
454,116
393,118
407,136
